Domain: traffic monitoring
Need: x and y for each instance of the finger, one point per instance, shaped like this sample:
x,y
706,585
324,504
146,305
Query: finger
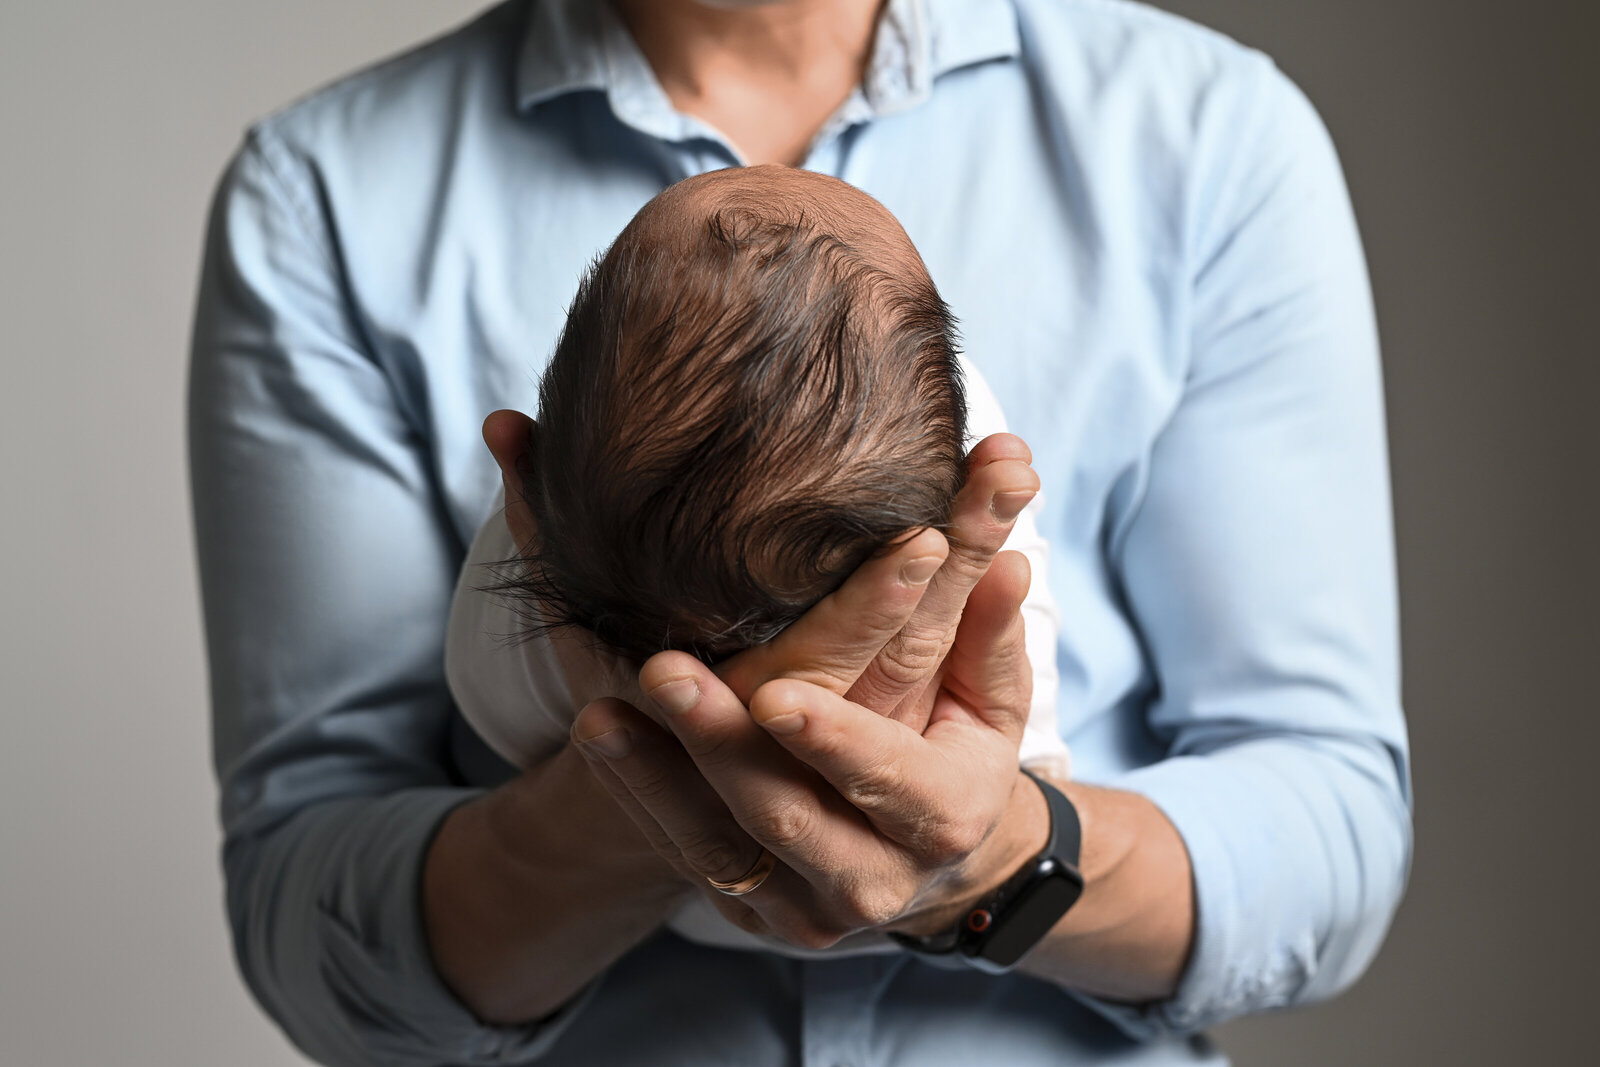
x,y
654,781
1000,483
838,872
607,730
987,676
734,909
935,797
659,787
509,435
879,766
779,802
842,633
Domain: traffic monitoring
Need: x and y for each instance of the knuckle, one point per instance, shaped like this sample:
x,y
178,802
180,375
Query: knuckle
x,y
948,841
782,825
970,560
877,785
909,658
650,785
867,905
712,856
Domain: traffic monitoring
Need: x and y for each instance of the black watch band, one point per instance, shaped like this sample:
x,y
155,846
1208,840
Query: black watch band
x,y
997,932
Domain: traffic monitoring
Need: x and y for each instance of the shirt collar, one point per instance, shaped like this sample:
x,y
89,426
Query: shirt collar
x,y
963,33
573,45
563,50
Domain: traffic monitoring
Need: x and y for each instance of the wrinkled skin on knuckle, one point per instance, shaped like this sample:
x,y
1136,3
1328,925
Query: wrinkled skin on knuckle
x,y
948,839
968,562
910,658
878,786
958,840
711,855
782,825
650,785
868,905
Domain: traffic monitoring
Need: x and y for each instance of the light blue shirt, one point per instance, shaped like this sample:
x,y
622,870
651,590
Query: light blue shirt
x,y
1143,230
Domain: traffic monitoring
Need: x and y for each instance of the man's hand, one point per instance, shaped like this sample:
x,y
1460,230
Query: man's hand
x,y
878,753
882,638
916,801
872,821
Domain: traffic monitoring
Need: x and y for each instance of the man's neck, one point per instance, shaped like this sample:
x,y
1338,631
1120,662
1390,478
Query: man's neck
x,y
766,75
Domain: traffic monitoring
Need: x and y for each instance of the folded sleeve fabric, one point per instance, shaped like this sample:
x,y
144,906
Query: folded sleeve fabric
x,y
1258,566
327,573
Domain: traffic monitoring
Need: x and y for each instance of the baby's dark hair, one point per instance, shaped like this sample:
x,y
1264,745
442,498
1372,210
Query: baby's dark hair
x,y
740,410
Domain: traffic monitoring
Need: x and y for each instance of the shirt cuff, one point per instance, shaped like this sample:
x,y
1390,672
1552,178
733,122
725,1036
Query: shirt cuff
x,y
1258,891
376,997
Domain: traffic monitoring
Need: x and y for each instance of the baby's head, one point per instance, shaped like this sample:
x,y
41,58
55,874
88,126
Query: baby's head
x,y
756,389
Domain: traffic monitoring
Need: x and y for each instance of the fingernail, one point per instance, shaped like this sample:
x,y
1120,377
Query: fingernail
x,y
1007,506
613,744
790,722
919,571
676,697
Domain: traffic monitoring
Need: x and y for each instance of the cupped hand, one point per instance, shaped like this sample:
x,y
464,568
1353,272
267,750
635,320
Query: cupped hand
x,y
882,637
872,747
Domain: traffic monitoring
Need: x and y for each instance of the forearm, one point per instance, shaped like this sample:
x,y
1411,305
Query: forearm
x,y
1128,937
1299,848
1259,875
532,890
1257,565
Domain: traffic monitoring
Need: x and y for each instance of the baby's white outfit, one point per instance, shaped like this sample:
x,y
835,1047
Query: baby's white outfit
x,y
513,693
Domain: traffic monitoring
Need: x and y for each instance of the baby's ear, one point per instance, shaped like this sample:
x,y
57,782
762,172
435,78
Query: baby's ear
x,y
512,438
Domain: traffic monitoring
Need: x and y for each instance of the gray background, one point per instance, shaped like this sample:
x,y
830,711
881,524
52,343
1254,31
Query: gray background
x,y
1469,133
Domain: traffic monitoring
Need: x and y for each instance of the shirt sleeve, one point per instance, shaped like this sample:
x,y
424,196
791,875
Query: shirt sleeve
x,y
327,566
1258,566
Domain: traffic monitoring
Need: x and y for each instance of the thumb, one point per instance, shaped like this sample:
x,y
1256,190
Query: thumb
x,y
987,673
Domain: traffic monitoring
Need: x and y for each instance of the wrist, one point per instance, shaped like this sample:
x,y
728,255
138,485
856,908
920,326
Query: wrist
x,y
1129,937
1008,923
531,890
592,837
1016,839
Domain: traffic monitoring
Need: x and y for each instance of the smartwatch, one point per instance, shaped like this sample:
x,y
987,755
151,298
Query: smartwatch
x,y
996,933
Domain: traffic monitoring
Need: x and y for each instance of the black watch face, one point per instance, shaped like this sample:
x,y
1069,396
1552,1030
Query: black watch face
x,y
1037,907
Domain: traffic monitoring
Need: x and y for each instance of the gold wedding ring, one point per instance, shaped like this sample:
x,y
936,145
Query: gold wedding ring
x,y
752,878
